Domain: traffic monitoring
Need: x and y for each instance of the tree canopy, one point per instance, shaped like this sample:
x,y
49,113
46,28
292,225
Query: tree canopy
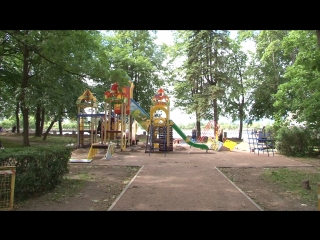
x,y
43,72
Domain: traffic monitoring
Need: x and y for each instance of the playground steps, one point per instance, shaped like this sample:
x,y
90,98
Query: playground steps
x,y
163,136
161,141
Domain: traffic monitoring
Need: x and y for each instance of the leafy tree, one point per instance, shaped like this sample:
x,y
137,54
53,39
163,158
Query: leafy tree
x,y
205,71
318,37
234,103
47,58
136,53
267,69
298,98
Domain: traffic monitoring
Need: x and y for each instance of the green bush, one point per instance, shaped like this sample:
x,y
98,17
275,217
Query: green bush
x,y
7,124
38,169
297,142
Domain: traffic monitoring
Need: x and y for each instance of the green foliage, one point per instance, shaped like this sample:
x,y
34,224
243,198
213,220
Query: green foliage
x,y
244,35
203,71
7,124
298,98
38,169
135,52
120,77
70,125
44,72
297,141
267,70
234,100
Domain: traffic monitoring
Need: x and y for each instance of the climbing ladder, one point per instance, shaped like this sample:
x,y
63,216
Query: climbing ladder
x,y
260,141
159,143
163,132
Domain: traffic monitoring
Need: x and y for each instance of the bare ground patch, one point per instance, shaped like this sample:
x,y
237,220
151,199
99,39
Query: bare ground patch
x,y
269,196
89,188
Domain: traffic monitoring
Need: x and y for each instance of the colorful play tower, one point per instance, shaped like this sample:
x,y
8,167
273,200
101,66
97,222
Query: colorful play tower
x,y
117,111
160,136
87,119
101,130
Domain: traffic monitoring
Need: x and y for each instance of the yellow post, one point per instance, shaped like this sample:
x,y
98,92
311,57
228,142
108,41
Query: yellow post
x,y
81,124
91,126
13,180
318,196
109,124
123,127
7,183
81,127
168,123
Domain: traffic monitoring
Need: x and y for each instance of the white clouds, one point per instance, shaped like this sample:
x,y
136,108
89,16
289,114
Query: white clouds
x,y
164,36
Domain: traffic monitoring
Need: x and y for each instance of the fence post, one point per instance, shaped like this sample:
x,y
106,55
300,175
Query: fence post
x,y
7,182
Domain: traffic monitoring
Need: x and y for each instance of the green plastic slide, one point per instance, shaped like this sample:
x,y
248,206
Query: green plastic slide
x,y
141,116
188,140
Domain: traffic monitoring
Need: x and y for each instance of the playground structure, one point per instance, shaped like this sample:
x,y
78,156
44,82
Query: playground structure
x,y
219,138
160,136
119,106
207,130
86,122
159,127
112,122
117,110
261,140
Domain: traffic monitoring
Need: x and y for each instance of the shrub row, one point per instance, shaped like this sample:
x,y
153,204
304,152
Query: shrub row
x,y
38,169
297,142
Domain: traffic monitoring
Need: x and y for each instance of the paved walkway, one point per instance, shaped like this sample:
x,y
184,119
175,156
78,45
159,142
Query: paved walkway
x,y
187,179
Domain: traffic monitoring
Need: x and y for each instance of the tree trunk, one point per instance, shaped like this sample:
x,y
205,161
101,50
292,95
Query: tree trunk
x,y
60,127
240,128
25,133
37,132
215,117
48,130
241,116
241,105
198,125
24,86
318,37
42,121
17,118
305,184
